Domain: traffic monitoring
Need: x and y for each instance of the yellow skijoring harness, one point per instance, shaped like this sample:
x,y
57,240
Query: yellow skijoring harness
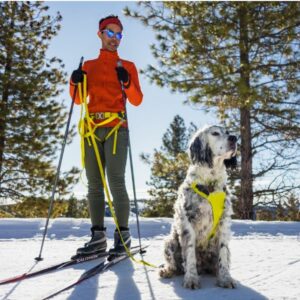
x,y
217,202
88,119
87,128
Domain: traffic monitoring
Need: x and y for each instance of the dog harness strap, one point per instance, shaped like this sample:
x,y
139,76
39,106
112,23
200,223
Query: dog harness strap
x,y
216,201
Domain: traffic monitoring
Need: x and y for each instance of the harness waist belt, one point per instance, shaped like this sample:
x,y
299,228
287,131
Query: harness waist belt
x,y
106,115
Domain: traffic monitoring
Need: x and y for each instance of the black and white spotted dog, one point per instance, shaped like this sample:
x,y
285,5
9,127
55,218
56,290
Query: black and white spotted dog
x,y
189,250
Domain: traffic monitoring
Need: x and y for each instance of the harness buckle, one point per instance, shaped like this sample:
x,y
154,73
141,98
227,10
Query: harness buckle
x,y
99,115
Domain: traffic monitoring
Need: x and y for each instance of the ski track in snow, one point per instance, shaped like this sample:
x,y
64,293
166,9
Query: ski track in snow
x,y
265,260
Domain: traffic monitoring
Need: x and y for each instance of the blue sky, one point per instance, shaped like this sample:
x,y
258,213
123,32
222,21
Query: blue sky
x,y
149,121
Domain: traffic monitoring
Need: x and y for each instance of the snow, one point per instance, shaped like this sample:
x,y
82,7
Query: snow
x,y
265,262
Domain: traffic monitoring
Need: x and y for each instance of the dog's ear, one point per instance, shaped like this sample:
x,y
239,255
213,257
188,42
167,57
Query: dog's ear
x,y
200,153
231,163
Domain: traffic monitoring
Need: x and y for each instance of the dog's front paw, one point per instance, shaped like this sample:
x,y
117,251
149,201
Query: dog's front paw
x,y
191,281
226,282
166,272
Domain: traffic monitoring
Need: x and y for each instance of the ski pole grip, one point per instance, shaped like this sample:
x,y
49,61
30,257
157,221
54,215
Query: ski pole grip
x,y
76,87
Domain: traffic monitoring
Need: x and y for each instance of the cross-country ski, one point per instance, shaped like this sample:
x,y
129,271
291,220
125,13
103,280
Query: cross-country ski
x,y
98,269
56,267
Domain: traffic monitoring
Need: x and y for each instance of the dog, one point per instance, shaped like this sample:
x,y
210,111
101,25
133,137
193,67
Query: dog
x,y
190,250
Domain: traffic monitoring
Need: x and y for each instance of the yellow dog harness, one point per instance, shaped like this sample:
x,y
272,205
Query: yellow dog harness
x,y
216,201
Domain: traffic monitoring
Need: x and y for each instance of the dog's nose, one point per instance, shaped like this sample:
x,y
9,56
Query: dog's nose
x,y
232,138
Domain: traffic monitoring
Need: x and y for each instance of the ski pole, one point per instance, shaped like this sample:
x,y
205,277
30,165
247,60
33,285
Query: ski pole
x,y
39,258
119,64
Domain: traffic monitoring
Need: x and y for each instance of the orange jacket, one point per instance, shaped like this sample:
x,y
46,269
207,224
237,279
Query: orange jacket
x,y
103,87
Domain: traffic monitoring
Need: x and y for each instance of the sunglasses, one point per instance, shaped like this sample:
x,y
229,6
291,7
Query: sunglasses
x,y
111,34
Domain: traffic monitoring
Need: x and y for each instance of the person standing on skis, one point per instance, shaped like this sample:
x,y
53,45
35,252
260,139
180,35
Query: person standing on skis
x,y
104,75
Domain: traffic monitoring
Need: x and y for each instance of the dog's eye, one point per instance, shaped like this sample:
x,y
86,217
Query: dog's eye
x,y
215,133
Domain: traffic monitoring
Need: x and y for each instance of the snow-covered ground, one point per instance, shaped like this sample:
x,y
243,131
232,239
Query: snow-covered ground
x,y
265,261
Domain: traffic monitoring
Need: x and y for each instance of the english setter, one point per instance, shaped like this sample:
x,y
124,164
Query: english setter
x,y
190,249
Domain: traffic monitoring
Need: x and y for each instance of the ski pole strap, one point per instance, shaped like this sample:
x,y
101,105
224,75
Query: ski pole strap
x,y
216,201
87,129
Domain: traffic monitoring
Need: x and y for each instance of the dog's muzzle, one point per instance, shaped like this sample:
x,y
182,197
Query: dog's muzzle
x,y
232,139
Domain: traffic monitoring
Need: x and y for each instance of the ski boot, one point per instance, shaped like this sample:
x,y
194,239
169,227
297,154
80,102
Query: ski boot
x,y
118,248
95,246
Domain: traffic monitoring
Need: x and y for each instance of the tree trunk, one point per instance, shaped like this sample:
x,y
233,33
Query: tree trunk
x,y
245,119
246,166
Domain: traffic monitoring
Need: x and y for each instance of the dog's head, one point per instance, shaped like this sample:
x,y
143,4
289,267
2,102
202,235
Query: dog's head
x,y
213,142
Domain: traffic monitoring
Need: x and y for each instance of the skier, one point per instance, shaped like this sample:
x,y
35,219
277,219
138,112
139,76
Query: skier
x,y
106,100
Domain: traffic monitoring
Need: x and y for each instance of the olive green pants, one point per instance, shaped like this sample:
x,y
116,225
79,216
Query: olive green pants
x,y
114,167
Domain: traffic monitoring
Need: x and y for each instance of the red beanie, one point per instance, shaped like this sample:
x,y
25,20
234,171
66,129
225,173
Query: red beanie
x,y
112,20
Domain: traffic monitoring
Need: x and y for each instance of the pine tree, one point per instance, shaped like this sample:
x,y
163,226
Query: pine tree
x,y
37,208
241,61
293,208
176,138
77,208
82,209
280,212
168,168
72,211
31,117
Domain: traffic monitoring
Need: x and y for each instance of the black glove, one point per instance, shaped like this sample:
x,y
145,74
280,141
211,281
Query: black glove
x,y
122,74
77,76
